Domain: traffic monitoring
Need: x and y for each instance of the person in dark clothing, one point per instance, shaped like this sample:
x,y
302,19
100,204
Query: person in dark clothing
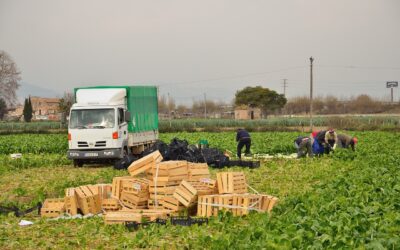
x,y
304,146
243,139
346,141
327,138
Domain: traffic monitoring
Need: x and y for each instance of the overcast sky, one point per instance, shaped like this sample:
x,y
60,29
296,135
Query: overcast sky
x,y
188,48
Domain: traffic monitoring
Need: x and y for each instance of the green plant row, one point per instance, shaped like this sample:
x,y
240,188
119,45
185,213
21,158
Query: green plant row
x,y
274,142
270,124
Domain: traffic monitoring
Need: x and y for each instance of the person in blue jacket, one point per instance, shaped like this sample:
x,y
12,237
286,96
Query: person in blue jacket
x,y
243,139
317,147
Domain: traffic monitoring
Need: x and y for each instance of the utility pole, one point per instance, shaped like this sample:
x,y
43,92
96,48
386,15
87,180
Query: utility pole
x,y
205,106
169,110
311,93
391,95
284,87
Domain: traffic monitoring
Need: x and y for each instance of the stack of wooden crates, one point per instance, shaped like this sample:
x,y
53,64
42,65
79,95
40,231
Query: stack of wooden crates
x,y
157,189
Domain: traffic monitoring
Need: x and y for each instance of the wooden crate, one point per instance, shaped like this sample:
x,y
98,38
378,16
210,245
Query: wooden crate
x,y
231,183
137,215
197,171
53,208
205,206
135,186
238,204
88,198
267,202
161,189
151,204
175,170
71,204
117,185
204,188
105,190
110,204
212,184
145,163
173,204
243,204
120,217
186,194
134,201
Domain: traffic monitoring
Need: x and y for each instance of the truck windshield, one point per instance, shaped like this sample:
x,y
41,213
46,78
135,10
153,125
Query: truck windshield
x,y
92,118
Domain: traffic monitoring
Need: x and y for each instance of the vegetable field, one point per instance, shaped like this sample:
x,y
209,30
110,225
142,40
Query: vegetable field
x,y
345,200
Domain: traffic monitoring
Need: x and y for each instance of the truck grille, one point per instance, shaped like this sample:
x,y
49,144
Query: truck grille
x,y
82,144
100,144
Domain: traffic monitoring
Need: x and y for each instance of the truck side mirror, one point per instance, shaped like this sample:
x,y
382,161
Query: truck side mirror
x,y
127,116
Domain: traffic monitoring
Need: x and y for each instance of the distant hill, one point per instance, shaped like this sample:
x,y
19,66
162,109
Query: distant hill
x,y
26,89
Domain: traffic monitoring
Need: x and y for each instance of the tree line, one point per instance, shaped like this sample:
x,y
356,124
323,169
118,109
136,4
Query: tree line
x,y
361,104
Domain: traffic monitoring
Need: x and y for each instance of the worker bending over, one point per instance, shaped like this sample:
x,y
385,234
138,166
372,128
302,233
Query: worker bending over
x,y
346,141
304,146
243,139
329,139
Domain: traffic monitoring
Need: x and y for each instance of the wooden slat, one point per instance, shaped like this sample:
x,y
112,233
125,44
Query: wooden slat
x,y
186,194
231,183
120,217
172,203
145,163
71,204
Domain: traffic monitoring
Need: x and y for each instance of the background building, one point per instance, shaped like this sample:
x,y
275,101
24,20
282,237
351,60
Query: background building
x,y
247,113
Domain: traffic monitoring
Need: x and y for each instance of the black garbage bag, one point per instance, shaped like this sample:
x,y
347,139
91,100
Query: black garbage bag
x,y
125,162
178,149
160,146
214,157
194,154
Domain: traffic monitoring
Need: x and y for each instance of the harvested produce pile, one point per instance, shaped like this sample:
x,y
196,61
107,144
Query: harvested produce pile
x,y
156,189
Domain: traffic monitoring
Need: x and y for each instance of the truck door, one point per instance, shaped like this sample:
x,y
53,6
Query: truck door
x,y
122,128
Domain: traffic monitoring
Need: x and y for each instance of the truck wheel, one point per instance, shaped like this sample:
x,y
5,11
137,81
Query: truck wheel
x,y
78,163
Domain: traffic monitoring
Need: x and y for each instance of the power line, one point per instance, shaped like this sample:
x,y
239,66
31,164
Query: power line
x,y
358,67
234,77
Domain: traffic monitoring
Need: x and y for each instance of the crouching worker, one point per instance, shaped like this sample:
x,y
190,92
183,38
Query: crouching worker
x,y
346,141
317,147
243,139
328,139
304,146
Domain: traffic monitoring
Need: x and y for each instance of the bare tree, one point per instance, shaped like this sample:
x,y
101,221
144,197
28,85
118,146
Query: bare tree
x,y
181,109
9,77
66,103
166,104
162,104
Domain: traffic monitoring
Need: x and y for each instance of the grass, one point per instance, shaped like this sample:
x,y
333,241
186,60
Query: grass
x,y
348,200
283,178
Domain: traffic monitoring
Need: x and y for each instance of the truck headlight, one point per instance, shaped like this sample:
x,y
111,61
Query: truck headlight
x,y
73,154
108,153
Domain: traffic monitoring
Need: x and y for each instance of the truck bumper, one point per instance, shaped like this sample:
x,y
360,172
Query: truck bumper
x,y
112,153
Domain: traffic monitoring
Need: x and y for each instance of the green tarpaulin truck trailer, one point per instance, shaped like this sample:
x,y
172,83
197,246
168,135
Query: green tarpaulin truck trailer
x,y
108,122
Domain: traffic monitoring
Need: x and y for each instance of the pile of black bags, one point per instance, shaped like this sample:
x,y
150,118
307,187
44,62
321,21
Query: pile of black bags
x,y
181,150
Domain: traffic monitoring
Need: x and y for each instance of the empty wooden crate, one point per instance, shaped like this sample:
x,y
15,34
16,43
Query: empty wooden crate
x,y
52,208
231,183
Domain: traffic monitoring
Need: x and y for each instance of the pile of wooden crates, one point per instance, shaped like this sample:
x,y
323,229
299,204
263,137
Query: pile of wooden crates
x,y
157,189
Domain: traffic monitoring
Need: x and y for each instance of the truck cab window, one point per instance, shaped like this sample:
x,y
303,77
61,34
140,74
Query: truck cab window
x,y
120,116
